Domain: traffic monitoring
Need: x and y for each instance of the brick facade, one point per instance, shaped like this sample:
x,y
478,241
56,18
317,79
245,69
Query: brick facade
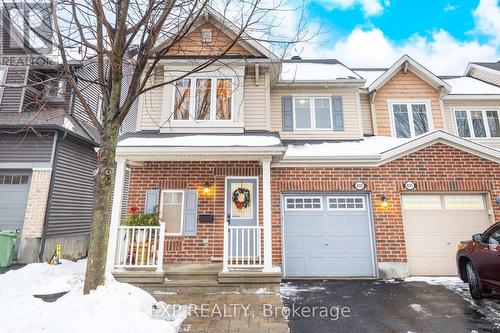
x,y
438,168
37,203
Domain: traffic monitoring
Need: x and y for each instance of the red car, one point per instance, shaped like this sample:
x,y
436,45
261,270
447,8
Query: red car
x,y
478,262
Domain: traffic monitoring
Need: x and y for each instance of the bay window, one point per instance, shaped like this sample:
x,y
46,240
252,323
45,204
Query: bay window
x,y
312,113
410,119
196,99
477,123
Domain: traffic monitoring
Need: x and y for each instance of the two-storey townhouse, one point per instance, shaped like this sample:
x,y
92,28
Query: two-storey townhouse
x,y
300,168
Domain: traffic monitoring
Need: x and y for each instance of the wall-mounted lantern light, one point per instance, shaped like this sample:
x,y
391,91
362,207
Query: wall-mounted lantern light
x,y
498,200
383,201
206,187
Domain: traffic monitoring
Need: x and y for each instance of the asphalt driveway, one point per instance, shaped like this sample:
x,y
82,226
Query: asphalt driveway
x,y
386,306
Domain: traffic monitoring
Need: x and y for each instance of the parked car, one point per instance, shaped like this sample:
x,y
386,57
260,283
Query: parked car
x,y
478,262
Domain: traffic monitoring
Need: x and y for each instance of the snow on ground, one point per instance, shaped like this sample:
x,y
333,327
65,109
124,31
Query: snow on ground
x,y
489,307
289,291
114,307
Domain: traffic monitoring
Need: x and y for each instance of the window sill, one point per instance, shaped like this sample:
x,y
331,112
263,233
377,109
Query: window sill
x,y
202,123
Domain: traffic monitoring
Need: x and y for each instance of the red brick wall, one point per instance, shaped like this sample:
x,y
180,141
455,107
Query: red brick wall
x,y
193,175
438,168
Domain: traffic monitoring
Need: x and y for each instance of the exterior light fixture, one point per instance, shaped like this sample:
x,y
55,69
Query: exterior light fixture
x,y
206,187
383,201
498,200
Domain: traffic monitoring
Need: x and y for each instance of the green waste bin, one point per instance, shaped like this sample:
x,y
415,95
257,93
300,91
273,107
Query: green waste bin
x,y
7,243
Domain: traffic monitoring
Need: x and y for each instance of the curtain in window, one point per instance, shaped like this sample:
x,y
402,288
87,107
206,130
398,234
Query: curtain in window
x,y
462,124
302,113
182,92
420,121
223,102
401,120
478,124
203,92
493,123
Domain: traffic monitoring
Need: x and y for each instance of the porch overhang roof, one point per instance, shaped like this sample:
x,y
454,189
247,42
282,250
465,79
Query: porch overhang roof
x,y
158,147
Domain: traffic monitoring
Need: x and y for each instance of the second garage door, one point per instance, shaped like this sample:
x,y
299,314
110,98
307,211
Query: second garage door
x,y
327,236
435,224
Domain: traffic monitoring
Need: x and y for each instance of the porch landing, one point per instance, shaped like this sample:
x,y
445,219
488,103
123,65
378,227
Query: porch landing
x,y
200,278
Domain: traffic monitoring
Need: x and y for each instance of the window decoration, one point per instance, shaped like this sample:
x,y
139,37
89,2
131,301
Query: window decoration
x,y
477,123
241,197
410,119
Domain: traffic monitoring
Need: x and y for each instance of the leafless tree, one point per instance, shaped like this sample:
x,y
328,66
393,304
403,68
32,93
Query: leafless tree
x,y
129,38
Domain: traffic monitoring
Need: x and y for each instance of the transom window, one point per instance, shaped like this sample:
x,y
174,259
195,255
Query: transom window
x,y
197,99
477,123
421,202
344,203
464,202
172,211
303,203
312,113
14,179
410,119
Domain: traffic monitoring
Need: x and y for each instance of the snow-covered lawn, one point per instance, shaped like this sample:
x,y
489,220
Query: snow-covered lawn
x,y
114,307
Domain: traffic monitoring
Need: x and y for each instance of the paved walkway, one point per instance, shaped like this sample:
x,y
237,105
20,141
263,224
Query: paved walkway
x,y
230,312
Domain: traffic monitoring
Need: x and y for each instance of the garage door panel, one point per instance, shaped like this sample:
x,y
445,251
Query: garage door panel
x,y
335,242
432,234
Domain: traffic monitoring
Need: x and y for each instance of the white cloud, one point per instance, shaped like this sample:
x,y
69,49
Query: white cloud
x,y
449,7
441,52
369,7
487,18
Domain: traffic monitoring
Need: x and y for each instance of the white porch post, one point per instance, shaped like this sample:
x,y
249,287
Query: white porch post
x,y
115,214
266,207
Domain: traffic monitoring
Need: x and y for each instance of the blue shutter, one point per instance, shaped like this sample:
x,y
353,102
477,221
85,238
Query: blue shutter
x,y
287,110
337,113
151,201
190,212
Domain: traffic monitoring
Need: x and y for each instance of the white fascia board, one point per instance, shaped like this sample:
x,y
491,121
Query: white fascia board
x,y
472,66
474,97
415,67
336,83
138,151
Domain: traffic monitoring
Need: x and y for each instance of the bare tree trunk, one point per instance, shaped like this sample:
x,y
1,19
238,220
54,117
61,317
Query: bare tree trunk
x,y
103,194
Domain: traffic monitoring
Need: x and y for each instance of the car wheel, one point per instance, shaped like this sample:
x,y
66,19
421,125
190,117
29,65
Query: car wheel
x,y
474,283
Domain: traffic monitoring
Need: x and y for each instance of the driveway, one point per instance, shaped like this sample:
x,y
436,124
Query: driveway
x,y
387,306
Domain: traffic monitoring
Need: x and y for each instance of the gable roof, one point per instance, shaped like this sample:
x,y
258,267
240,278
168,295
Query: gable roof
x,y
208,13
492,67
376,151
415,67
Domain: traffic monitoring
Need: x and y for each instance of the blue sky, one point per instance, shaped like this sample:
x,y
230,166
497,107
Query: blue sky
x,y
443,35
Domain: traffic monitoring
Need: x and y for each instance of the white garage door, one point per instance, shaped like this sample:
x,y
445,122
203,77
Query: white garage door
x,y
435,224
327,236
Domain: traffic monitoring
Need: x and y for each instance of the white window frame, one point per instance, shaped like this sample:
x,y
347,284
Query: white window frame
x,y
312,113
346,197
468,110
182,210
409,103
312,197
465,208
3,79
213,100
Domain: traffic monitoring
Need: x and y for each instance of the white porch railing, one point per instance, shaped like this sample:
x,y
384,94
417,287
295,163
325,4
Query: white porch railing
x,y
244,247
140,247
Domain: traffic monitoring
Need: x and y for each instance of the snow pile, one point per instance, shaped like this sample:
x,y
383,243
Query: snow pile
x,y
304,71
370,146
202,141
446,281
114,307
470,86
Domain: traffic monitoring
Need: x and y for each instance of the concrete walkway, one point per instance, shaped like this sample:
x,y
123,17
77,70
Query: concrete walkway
x,y
230,312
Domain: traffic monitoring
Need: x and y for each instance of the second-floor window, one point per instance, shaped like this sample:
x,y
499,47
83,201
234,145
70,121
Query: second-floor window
x,y
203,99
410,119
477,123
312,113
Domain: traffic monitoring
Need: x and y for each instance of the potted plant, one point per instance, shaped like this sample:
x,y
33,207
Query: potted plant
x,y
141,237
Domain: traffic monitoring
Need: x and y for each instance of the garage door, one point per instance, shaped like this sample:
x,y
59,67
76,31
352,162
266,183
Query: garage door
x,y
14,188
327,236
435,224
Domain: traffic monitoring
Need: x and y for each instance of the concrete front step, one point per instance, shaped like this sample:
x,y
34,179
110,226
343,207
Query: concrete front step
x,y
249,277
140,277
183,272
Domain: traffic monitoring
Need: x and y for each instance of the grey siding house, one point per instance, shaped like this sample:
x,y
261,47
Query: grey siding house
x,y
47,160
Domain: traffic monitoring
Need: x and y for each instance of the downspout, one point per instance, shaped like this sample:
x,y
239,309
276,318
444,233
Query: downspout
x,y
53,161
373,110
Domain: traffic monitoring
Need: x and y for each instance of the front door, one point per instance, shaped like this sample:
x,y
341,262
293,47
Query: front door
x,y
241,209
